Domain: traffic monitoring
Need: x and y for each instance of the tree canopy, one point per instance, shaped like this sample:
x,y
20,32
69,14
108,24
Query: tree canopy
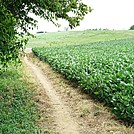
x,y
132,27
14,14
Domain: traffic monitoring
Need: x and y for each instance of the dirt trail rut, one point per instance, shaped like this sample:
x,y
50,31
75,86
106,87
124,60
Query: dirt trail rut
x,y
66,124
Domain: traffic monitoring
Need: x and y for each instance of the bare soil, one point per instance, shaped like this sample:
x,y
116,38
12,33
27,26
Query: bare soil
x,y
68,109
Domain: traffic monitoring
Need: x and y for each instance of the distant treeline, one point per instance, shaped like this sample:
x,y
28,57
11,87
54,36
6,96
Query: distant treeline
x,y
41,32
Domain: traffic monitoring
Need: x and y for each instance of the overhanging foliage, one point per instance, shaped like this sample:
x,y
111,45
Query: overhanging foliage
x,y
14,15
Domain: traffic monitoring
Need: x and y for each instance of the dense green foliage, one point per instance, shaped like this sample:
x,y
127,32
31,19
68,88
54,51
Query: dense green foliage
x,y
18,112
14,15
132,27
7,36
49,10
104,69
10,42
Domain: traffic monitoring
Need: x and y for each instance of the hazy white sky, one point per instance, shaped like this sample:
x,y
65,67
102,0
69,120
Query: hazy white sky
x,y
111,14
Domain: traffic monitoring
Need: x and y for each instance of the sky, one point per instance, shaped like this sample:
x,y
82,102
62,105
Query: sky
x,y
111,14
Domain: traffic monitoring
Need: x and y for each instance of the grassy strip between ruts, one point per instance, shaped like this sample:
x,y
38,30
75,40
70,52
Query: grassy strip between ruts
x,y
105,69
18,111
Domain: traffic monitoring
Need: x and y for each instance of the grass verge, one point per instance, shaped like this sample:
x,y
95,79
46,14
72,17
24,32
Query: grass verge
x,y
18,111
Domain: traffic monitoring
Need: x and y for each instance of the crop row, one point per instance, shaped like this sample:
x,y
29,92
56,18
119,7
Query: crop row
x,y
104,69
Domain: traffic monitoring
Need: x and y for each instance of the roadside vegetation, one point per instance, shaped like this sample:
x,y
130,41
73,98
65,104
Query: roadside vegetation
x,y
19,113
103,69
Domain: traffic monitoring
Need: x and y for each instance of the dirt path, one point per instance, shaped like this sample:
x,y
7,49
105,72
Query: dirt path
x,y
72,111
65,123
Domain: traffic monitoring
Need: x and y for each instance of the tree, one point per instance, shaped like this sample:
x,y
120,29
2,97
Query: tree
x,y
9,47
132,27
14,15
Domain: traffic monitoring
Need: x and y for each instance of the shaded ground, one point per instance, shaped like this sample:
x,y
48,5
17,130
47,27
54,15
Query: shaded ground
x,y
70,111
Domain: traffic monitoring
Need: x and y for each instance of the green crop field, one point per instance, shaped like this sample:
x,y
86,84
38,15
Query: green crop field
x,y
105,69
77,37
